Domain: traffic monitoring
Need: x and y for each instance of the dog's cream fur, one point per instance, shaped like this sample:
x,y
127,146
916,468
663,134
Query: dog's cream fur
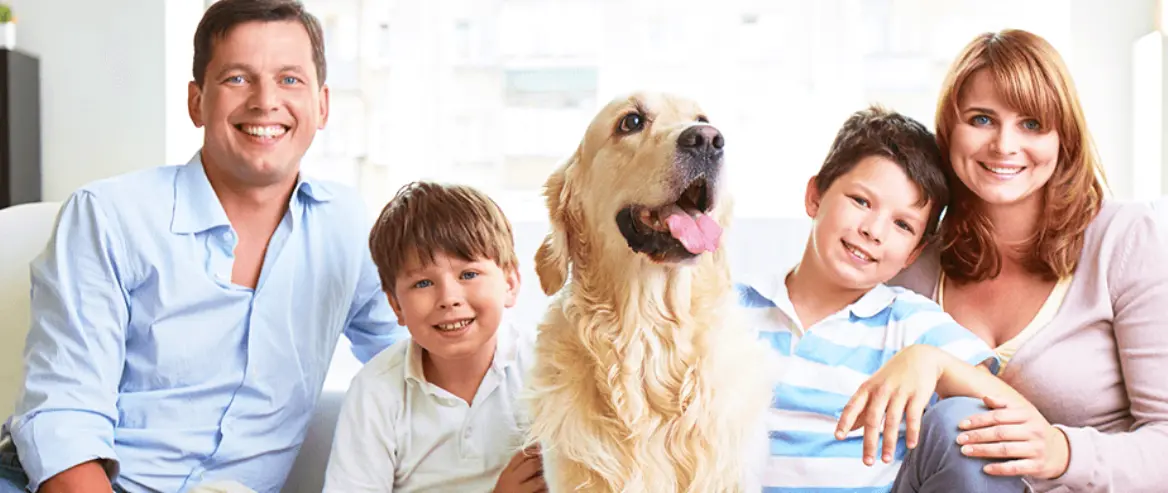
x,y
644,380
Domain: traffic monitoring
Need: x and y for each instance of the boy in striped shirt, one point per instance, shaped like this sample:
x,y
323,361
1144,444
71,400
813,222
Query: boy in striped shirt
x,y
875,204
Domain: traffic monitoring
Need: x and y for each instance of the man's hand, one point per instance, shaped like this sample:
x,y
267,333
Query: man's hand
x,y
902,388
524,474
83,478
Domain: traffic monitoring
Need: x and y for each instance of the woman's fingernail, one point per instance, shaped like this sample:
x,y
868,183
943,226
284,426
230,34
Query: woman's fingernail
x,y
967,450
962,438
965,424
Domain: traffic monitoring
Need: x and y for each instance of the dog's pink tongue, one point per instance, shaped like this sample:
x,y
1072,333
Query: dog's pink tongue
x,y
697,236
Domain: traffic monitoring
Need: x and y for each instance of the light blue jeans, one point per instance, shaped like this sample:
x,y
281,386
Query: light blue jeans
x,y
937,464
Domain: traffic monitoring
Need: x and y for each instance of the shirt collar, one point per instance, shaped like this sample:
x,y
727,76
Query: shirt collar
x,y
506,354
873,302
197,207
869,305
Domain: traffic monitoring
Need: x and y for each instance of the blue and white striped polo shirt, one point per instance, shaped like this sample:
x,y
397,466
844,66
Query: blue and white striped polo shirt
x,y
825,364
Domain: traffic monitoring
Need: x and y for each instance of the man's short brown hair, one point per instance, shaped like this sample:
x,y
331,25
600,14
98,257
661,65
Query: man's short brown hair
x,y
426,218
876,131
224,15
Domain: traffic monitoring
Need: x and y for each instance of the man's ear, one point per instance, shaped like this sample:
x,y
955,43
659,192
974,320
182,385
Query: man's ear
x,y
324,106
195,103
812,198
552,257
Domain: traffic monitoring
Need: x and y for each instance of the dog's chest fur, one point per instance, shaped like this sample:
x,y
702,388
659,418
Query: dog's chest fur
x,y
662,393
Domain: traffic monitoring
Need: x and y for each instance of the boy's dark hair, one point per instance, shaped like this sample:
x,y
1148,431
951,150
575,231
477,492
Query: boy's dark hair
x,y
876,131
426,218
224,15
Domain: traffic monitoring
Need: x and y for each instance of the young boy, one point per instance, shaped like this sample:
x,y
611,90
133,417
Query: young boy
x,y
875,204
437,412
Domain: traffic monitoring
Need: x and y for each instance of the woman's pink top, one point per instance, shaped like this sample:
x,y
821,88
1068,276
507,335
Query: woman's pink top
x,y
1099,369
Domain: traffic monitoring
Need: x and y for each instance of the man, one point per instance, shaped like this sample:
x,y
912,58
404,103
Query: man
x,y
184,317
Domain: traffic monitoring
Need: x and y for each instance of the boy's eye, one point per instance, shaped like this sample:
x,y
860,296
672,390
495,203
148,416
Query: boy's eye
x,y
424,283
980,120
859,200
468,275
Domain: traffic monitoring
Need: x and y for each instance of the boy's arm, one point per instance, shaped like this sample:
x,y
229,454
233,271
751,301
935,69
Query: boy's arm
x,y
960,379
364,451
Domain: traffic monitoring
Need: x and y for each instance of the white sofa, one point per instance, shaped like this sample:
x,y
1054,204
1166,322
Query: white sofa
x,y
758,247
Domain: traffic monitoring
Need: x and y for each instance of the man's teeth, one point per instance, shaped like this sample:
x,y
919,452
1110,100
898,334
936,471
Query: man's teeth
x,y
456,325
857,253
264,130
1003,171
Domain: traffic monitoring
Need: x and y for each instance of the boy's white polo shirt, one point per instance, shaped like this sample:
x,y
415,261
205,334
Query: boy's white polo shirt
x,y
825,364
397,432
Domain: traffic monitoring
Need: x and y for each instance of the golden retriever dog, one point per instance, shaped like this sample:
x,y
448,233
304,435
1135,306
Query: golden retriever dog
x,y
644,380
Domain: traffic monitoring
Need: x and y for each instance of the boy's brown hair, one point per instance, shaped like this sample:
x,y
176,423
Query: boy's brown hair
x,y
876,131
426,218
224,15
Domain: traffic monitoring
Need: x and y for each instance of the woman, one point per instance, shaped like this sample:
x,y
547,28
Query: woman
x,y
1069,287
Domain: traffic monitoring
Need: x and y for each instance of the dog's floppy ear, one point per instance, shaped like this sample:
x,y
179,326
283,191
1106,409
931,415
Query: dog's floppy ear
x,y
551,259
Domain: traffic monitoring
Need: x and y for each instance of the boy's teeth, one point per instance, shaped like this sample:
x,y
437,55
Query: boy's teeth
x,y
858,253
455,325
264,131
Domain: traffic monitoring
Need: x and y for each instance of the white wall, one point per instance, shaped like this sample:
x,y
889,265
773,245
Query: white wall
x,y
1103,35
114,79
110,100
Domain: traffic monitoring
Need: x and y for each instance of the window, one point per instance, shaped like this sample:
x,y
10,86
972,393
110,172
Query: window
x,y
496,93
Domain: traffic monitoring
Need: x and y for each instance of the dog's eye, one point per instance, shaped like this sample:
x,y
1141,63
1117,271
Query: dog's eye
x,y
703,119
631,123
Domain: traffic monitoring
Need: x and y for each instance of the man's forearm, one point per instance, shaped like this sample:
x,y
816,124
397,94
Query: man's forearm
x,y
82,478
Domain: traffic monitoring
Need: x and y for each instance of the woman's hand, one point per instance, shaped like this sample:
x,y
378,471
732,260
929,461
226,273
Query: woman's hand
x,y
901,388
1020,435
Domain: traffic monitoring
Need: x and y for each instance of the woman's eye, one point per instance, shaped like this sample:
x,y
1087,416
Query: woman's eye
x,y
981,120
1032,124
905,226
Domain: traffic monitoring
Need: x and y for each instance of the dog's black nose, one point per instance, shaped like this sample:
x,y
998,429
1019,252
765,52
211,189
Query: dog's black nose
x,y
701,138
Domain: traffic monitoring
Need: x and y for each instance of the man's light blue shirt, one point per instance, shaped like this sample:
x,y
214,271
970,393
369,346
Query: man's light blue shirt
x,y
142,351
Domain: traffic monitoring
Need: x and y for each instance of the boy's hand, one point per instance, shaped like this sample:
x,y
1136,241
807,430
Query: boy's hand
x,y
524,474
902,387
